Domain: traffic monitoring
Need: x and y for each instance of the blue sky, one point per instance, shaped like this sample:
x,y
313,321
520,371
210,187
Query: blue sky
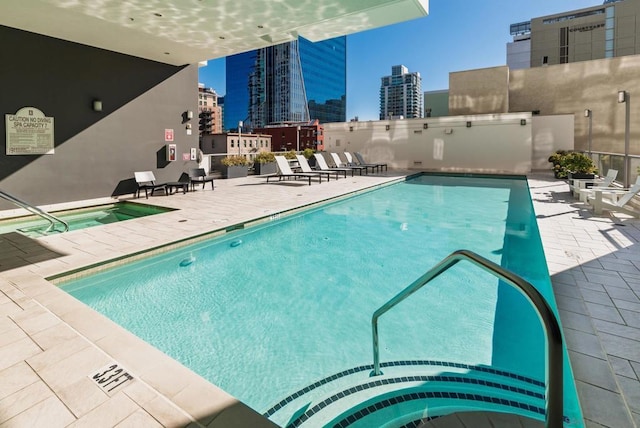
x,y
457,35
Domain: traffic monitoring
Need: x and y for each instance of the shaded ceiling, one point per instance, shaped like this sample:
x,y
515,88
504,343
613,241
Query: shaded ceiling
x,y
179,32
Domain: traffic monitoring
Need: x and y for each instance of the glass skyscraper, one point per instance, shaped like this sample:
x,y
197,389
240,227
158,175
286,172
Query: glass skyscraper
x,y
296,81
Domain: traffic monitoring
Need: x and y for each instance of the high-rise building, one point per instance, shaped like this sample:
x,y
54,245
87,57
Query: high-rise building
x,y
606,31
297,81
401,94
209,112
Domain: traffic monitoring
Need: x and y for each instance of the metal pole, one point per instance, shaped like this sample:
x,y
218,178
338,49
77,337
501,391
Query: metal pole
x,y
590,129
627,159
298,139
239,135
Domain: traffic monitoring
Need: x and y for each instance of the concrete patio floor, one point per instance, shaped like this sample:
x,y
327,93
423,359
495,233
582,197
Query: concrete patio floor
x,y
52,346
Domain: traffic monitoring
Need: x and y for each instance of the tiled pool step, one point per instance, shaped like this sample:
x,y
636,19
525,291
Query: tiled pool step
x,y
403,392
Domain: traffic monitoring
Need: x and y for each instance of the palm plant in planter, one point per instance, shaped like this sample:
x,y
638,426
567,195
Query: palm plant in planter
x,y
265,163
234,166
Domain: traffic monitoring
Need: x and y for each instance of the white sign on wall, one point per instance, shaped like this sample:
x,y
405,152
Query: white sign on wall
x,y
29,132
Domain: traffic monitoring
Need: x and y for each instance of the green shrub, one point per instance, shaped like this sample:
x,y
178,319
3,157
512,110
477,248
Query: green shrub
x,y
291,154
235,160
307,153
265,157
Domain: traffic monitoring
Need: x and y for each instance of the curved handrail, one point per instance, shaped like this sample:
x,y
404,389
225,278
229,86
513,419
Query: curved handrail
x,y
35,210
553,361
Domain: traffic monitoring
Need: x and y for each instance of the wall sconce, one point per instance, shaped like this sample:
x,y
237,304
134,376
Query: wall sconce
x,y
468,124
386,127
189,114
425,126
351,129
587,113
188,126
622,96
523,122
97,105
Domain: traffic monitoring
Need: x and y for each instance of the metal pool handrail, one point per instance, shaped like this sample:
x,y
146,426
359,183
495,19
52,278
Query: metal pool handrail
x,y
553,335
35,210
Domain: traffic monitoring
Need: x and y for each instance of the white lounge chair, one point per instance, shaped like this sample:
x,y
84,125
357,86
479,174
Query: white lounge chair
x,y
147,181
361,161
340,164
321,165
305,167
581,184
284,171
613,199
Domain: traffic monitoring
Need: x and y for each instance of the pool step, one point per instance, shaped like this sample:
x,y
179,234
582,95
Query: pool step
x,y
403,393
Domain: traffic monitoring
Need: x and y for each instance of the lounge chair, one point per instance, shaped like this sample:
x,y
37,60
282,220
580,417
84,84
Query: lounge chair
x,y
147,181
284,171
340,164
321,165
353,162
583,184
613,199
361,161
306,168
199,175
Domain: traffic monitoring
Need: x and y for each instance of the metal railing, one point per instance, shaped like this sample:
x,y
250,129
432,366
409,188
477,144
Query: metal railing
x,y
553,361
37,211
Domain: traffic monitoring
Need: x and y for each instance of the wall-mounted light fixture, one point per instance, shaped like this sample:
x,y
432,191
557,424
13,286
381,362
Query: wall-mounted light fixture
x,y
97,105
468,124
622,96
425,126
188,126
386,127
587,113
523,122
351,129
189,114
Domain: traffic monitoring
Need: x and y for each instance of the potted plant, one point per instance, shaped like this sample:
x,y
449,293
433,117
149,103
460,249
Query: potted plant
x,y
265,163
291,154
234,166
557,159
579,166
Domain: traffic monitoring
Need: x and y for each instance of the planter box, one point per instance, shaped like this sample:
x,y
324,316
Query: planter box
x,y
581,176
265,168
234,171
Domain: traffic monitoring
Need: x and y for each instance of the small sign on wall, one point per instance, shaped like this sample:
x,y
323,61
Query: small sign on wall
x,y
171,152
168,135
194,153
29,132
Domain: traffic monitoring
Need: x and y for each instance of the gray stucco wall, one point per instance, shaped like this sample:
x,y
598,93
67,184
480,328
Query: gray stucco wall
x,y
96,153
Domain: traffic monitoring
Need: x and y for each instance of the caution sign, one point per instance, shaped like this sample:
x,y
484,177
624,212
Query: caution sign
x,y
29,132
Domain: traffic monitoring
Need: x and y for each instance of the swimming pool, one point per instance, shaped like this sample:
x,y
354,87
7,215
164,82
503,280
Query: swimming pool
x,y
286,307
80,218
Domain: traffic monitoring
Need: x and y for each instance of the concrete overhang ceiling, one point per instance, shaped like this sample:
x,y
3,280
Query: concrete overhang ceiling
x,y
189,31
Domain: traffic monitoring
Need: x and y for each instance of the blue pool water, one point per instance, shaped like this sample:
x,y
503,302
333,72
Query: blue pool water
x,y
266,311
80,218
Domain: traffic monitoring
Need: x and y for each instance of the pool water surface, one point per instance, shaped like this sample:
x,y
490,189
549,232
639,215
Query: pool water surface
x,y
80,218
269,310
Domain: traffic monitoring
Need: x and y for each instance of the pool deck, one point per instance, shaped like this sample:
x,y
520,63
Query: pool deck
x,y
51,345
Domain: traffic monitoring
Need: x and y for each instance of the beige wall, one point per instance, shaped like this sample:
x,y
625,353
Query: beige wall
x,y
550,133
495,143
484,90
568,89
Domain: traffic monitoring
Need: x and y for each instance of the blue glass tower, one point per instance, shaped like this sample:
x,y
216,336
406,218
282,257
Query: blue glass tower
x,y
292,82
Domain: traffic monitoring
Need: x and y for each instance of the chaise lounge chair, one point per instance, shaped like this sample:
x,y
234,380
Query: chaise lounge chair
x,y
306,168
353,162
321,165
361,161
147,181
340,164
198,175
613,199
582,184
284,171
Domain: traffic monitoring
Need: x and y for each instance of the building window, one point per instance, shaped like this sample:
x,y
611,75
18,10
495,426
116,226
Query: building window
x,y
232,144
